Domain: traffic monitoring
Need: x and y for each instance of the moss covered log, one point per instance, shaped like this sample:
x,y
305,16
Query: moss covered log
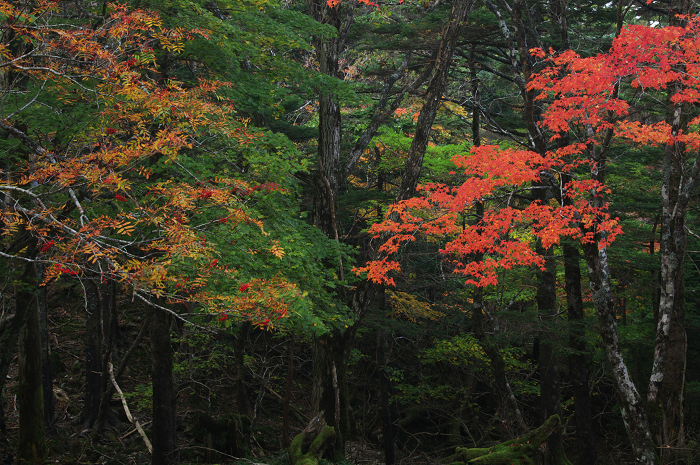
x,y
522,450
308,447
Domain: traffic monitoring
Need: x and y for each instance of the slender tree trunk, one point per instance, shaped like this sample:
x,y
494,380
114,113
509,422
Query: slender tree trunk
x,y
631,404
164,439
245,409
665,392
387,405
585,438
30,399
548,360
10,335
93,352
46,375
461,9
109,392
288,393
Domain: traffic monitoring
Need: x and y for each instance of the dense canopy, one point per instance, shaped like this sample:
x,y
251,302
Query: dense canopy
x,y
409,232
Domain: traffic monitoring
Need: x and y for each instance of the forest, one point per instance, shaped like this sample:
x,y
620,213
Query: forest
x,y
344,232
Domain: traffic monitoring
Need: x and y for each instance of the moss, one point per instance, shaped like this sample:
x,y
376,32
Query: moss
x,y
522,450
316,449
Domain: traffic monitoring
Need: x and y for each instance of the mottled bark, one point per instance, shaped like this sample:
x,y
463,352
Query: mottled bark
x,y
164,436
630,402
665,391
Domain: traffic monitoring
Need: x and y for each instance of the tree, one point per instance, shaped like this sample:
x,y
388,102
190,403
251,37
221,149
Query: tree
x,y
585,106
108,199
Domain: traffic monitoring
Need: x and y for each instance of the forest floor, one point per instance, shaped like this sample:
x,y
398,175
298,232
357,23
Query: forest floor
x,y
207,386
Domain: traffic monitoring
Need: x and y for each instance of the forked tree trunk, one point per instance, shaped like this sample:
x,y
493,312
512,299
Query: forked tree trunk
x,y
330,386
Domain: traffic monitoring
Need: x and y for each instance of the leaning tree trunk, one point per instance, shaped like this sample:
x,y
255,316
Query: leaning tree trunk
x,y
631,404
448,40
30,399
164,396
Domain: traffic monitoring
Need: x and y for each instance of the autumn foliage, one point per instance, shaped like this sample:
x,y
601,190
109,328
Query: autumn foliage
x,y
587,99
95,209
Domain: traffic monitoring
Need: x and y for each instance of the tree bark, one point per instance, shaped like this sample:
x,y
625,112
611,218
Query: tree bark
x,y
46,375
461,10
164,434
245,409
93,352
330,386
32,437
631,405
578,366
548,362
387,405
666,383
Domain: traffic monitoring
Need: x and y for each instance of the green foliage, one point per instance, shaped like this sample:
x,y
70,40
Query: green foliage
x,y
142,397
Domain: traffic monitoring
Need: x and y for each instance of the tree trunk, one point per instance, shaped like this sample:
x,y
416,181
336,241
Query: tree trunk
x,y
548,362
10,335
93,354
30,399
387,405
245,409
109,392
577,359
631,405
461,10
504,394
288,393
665,392
330,386
46,375
164,396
